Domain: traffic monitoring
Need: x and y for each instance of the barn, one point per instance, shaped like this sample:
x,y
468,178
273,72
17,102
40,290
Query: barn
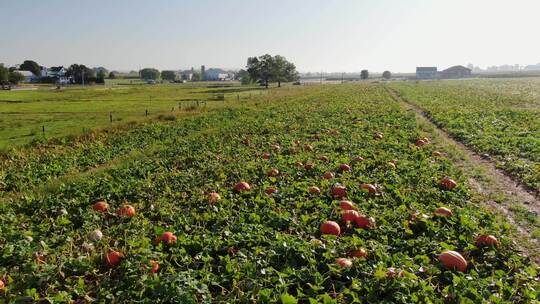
x,y
426,73
455,72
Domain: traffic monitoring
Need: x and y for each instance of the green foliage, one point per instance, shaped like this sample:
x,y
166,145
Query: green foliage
x,y
168,75
251,247
112,75
3,73
15,77
100,77
265,69
364,74
149,74
196,76
500,118
32,66
80,72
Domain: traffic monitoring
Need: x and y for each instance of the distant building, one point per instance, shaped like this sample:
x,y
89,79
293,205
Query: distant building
x,y
218,75
28,76
426,73
455,72
58,74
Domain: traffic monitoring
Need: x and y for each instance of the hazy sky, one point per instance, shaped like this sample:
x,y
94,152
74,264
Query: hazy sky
x,y
329,35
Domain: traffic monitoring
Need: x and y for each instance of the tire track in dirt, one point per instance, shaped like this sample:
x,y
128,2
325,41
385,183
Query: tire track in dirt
x,y
499,182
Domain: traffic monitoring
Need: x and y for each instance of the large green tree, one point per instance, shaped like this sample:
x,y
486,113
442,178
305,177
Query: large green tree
x,y
3,73
364,74
267,68
80,72
168,75
15,77
149,74
31,66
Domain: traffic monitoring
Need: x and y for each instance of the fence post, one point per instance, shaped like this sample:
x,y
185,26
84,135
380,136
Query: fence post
x,y
110,117
43,130
146,113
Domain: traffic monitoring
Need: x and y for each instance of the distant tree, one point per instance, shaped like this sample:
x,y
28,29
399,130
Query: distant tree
x,y
149,74
3,73
31,66
78,72
283,71
364,74
15,77
387,75
266,68
195,76
168,75
112,75
100,78
243,76
98,69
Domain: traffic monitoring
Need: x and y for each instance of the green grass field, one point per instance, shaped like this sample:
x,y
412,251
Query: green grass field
x,y
72,111
264,245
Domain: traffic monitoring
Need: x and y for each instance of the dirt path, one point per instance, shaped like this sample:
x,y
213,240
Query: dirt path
x,y
501,193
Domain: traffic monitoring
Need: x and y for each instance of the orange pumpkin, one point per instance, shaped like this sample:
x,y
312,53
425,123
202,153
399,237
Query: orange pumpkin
x,y
314,190
344,262
453,260
127,211
378,135
420,142
344,168
363,221
330,227
371,189
443,211
346,205
154,266
213,197
328,175
447,183
486,240
242,187
359,253
324,158
270,191
273,172
350,216
358,158
101,206
167,237
339,191
114,258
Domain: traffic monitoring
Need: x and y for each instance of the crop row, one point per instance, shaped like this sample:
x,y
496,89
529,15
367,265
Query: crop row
x,y
500,124
261,245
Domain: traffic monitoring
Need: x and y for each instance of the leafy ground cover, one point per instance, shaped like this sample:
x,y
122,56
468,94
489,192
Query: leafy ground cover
x,y
257,245
500,118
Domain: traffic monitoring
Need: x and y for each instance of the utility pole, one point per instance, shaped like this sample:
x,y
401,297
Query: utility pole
x,y
82,78
321,76
342,77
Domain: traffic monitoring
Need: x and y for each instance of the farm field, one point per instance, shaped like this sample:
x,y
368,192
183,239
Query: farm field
x,y
260,241
500,118
75,111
